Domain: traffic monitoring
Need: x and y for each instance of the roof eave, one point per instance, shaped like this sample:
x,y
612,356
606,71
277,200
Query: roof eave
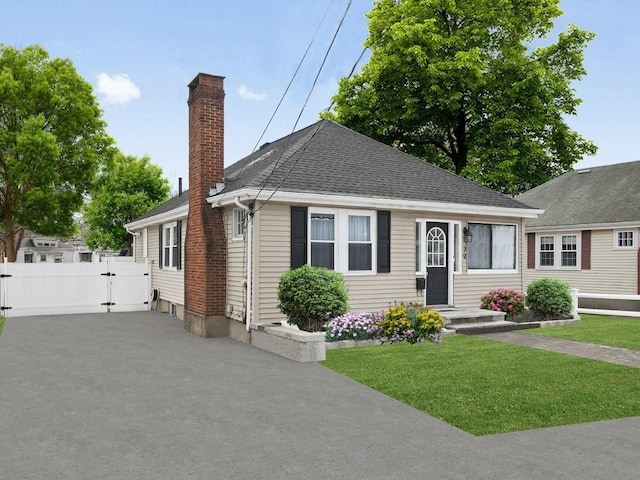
x,y
583,226
174,214
370,202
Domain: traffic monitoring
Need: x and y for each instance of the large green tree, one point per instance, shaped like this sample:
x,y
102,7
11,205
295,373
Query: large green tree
x,y
469,85
52,141
128,188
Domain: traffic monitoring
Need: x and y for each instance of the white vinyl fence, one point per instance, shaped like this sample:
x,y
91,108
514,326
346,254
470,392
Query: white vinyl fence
x,y
632,300
59,288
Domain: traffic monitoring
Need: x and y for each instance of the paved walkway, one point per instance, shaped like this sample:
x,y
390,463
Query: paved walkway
x,y
604,353
134,396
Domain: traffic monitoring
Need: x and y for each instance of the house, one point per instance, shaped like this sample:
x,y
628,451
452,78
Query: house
x,y
39,249
399,229
588,234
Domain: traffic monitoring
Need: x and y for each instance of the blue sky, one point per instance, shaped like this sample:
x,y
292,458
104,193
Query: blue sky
x,y
140,56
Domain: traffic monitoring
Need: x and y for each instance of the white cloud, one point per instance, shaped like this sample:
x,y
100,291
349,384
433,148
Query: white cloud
x,y
117,89
247,94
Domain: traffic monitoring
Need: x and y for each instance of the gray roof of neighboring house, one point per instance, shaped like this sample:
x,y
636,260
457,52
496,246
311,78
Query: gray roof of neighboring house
x,y
328,158
596,195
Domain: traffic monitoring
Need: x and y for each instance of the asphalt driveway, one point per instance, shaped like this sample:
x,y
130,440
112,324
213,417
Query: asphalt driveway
x,y
134,396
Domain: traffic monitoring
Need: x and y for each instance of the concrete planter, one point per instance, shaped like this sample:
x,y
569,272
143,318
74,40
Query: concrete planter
x,y
289,342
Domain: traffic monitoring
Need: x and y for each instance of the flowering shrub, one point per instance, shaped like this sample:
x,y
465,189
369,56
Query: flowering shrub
x,y
353,326
504,300
409,322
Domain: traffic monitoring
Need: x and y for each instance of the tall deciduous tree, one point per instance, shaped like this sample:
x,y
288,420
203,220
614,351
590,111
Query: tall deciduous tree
x,y
52,141
462,84
128,188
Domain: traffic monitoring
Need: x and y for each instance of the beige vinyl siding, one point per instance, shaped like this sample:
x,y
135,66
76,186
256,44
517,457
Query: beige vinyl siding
x,y
273,258
170,283
236,273
369,292
612,270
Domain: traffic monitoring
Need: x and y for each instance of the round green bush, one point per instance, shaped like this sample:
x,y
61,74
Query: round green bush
x,y
549,299
311,296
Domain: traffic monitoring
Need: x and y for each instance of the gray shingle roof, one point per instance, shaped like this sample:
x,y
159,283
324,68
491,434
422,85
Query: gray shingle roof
x,y
171,204
597,195
329,158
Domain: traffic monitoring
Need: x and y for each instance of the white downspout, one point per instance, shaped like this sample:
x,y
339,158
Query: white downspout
x,y
249,253
134,235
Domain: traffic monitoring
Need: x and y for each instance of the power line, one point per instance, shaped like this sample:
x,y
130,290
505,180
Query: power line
x,y
315,81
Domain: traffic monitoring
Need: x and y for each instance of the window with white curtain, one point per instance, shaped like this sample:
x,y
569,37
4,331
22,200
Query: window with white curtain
x,y
360,245
493,247
342,240
322,240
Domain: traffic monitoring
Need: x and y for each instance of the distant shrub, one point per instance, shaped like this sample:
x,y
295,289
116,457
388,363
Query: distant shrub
x,y
409,322
311,296
353,326
549,298
504,300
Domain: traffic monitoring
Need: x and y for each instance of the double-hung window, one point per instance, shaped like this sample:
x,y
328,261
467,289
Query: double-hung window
x,y
322,240
558,250
569,252
342,240
493,247
547,251
239,217
170,245
360,244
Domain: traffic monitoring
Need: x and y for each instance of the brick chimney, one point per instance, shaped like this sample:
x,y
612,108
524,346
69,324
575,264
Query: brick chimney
x,y
205,275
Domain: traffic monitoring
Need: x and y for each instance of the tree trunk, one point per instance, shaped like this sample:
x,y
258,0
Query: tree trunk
x,y
9,236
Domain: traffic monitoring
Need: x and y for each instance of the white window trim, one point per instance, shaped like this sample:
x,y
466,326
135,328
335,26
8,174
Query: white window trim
x,y
341,238
172,244
615,239
236,234
452,245
145,243
489,271
557,250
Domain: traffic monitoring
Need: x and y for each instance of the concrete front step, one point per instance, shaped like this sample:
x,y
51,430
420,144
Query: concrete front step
x,y
459,316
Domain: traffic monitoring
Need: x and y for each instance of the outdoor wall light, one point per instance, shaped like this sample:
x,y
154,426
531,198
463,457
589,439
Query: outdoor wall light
x,y
467,236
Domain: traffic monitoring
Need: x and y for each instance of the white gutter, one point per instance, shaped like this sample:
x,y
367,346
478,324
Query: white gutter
x,y
249,233
330,199
171,215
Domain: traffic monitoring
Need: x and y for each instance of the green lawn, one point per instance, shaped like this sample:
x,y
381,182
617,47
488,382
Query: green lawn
x,y
487,387
613,331
1,324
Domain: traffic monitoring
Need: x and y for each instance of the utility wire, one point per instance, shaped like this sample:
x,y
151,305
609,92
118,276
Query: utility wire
x,y
315,81
292,79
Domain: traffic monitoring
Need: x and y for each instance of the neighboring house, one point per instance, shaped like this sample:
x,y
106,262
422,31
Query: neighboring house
x,y
327,196
40,249
588,235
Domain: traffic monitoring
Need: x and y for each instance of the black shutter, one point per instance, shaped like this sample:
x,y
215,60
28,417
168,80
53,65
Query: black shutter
x,y
298,236
179,244
384,241
160,243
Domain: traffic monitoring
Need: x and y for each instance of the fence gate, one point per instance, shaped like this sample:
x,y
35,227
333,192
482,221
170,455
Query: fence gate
x,y
59,288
